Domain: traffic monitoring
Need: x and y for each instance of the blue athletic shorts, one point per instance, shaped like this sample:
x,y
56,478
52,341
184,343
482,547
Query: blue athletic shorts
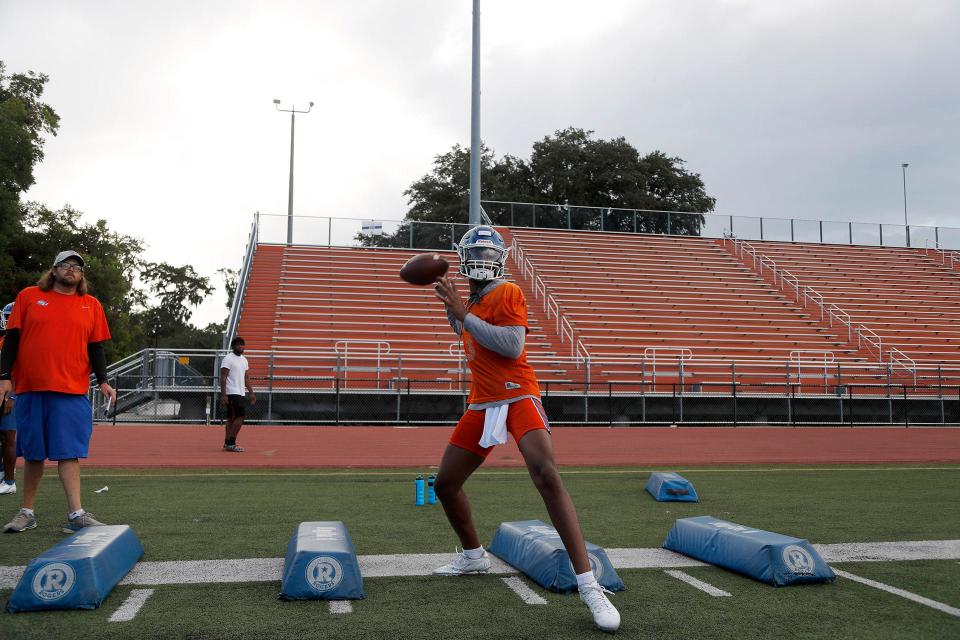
x,y
53,426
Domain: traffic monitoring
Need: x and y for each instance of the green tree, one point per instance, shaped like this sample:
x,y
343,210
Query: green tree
x,y
571,166
24,121
174,292
32,234
231,280
112,264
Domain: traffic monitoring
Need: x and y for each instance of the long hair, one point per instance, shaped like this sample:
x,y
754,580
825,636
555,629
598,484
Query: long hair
x,y
46,283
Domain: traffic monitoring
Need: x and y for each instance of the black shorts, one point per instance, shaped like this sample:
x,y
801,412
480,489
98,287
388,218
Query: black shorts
x,y
236,407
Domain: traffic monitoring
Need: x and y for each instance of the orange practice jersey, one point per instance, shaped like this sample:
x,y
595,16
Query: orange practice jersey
x,y
55,329
496,377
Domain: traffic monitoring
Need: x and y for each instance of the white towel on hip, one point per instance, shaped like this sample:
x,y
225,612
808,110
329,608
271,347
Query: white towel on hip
x,y
494,426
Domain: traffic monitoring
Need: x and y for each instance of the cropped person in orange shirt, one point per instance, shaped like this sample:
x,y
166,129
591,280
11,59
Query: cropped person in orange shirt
x,y
504,398
54,338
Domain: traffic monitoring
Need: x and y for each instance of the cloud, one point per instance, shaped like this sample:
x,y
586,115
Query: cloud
x,y
800,109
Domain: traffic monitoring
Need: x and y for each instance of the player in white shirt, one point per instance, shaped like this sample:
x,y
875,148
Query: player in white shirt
x,y
234,385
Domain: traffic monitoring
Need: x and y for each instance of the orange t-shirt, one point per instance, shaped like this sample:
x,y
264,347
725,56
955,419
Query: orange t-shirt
x,y
496,377
55,329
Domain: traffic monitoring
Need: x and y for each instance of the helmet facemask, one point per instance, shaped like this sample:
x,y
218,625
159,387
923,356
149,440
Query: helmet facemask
x,y
482,259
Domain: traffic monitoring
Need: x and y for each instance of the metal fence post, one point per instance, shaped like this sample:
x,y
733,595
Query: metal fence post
x,y
733,380
943,415
610,403
270,388
906,409
408,400
396,387
889,398
116,383
673,403
850,402
336,385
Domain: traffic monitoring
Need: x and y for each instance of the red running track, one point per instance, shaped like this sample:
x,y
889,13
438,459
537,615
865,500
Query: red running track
x,y
299,446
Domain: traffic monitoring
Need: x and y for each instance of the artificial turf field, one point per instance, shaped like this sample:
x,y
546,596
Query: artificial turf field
x,y
198,515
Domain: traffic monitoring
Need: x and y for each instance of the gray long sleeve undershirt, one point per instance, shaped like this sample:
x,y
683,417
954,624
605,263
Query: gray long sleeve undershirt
x,y
507,341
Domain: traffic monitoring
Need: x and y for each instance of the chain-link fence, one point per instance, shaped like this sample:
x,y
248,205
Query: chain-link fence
x,y
161,386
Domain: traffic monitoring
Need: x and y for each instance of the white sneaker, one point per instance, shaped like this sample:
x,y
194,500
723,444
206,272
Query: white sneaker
x,y
7,488
463,565
605,615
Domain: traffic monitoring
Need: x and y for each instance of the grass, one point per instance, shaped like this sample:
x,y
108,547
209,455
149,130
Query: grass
x,y
209,515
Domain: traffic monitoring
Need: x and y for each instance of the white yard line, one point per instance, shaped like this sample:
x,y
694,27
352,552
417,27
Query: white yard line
x,y
341,606
889,551
933,604
423,564
520,588
131,606
706,587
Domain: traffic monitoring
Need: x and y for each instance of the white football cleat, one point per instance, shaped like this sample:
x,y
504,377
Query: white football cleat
x,y
7,488
605,615
462,565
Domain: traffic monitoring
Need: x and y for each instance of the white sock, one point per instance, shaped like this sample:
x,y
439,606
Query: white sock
x,y
76,514
474,554
585,578
29,512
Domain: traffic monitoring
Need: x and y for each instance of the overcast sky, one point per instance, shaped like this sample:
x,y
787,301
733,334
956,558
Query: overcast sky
x,y
799,109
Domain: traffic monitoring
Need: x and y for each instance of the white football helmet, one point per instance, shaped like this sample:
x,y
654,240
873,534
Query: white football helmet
x,y
483,254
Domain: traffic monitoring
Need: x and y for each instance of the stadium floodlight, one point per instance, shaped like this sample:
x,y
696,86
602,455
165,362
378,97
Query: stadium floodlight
x,y
906,224
293,111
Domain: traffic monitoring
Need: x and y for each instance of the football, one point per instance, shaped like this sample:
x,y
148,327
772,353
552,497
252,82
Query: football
x,y
424,268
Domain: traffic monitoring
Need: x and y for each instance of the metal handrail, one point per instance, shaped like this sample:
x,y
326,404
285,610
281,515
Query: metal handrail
x,y
237,306
564,327
945,254
828,310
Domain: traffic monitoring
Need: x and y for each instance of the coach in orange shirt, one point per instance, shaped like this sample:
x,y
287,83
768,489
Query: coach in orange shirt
x,y
504,397
54,338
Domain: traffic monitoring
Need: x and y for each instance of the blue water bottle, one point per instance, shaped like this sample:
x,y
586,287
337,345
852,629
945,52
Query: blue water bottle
x,y
431,494
420,487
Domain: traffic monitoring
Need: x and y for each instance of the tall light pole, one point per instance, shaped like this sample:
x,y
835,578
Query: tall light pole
x,y
293,111
474,212
906,224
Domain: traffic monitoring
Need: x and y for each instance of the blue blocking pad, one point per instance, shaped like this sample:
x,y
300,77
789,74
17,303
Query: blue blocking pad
x,y
79,572
768,557
321,564
535,548
671,487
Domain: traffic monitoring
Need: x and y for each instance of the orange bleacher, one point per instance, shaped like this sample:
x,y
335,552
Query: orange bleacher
x,y
328,310
902,295
644,308
642,298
